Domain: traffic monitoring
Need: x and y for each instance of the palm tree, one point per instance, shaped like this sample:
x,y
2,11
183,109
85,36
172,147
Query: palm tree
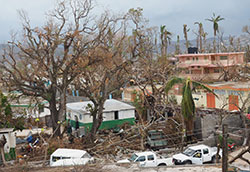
x,y
204,35
201,32
177,45
165,36
215,21
187,103
185,31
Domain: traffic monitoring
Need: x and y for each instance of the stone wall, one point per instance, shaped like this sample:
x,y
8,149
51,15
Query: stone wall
x,y
210,121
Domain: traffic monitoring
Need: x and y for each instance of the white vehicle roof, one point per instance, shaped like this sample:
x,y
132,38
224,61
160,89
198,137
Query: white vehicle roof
x,y
198,147
74,153
144,153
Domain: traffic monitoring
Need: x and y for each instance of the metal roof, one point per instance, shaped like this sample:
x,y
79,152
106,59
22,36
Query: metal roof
x,y
110,105
240,86
6,130
208,54
74,153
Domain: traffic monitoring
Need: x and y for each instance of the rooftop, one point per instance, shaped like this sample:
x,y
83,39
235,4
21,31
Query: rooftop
x,y
109,106
6,130
76,153
208,54
237,86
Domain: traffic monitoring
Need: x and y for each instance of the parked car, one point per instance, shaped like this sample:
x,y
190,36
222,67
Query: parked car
x,y
146,159
156,140
69,157
196,155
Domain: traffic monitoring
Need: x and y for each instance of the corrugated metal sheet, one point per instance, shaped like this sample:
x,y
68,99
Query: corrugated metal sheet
x,y
109,106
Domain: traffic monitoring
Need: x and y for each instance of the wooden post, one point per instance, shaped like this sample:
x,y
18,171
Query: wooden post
x,y
218,144
224,147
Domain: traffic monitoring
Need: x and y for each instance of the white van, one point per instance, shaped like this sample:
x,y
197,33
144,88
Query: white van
x,y
69,157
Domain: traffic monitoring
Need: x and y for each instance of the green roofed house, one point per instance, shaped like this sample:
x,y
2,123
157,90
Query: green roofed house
x,y
115,113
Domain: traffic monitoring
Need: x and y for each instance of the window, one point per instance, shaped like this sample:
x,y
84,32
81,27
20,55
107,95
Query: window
x,y
133,157
151,157
40,108
116,115
198,66
197,58
216,70
193,58
66,158
205,151
80,116
86,155
55,158
205,58
206,70
197,155
223,57
141,159
188,58
69,114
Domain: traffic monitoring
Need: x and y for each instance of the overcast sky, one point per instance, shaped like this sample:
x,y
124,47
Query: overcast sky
x,y
172,13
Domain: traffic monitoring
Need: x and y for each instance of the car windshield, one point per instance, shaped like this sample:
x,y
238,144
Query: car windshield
x,y
133,158
55,158
188,152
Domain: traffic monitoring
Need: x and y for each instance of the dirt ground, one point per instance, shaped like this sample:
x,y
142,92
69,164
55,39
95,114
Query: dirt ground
x,y
115,168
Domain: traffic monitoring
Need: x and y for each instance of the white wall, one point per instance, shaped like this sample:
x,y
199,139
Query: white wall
x,y
126,114
107,116
11,141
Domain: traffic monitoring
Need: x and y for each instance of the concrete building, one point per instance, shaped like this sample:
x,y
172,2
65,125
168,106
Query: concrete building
x,y
210,66
231,96
10,146
115,113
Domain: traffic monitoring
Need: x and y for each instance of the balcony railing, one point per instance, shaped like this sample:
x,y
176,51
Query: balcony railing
x,y
208,62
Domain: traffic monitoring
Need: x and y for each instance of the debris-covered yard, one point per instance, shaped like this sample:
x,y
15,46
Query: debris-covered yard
x,y
114,168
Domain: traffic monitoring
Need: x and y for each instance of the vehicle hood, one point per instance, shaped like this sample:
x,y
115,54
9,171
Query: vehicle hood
x,y
123,161
180,156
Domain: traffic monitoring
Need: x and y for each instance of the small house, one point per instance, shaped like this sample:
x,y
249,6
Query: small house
x,y
115,113
10,145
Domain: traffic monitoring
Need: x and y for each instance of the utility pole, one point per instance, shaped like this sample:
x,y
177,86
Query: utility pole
x,y
224,148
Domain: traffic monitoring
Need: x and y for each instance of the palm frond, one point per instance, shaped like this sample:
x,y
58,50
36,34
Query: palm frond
x,y
211,20
198,84
172,82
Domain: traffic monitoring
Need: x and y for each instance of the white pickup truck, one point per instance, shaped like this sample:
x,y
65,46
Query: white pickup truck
x,y
196,155
146,159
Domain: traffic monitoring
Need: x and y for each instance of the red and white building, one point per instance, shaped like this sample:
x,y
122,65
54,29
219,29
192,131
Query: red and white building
x,y
210,66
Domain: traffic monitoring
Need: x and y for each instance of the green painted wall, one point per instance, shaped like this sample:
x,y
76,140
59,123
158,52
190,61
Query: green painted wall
x,y
105,124
11,155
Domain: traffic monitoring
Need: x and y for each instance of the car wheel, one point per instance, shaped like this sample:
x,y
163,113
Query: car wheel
x,y
162,164
213,159
188,162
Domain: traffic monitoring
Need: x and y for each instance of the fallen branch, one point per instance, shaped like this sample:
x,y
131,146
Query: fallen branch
x,y
240,155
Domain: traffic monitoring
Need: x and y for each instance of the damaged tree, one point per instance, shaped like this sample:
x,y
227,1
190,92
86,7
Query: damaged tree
x,y
110,73
45,61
